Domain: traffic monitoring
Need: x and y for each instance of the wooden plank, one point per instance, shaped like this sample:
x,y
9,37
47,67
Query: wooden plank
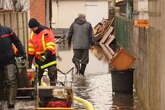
x,y
7,19
110,39
25,29
14,24
2,19
106,35
18,22
107,53
107,44
20,26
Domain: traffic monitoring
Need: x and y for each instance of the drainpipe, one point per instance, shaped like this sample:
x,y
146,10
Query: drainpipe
x,y
129,5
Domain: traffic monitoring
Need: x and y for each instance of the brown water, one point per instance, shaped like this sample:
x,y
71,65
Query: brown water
x,y
96,87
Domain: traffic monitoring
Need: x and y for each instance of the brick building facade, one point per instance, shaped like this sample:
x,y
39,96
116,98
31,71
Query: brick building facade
x,y
37,10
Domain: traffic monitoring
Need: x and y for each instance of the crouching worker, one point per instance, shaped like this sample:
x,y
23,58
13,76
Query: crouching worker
x,y
8,69
42,47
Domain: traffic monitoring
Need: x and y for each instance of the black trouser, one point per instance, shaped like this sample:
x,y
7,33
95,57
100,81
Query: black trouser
x,y
81,56
52,73
52,70
8,80
81,59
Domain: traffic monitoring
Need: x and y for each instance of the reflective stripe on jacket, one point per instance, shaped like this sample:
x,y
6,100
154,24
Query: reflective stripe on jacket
x,y
47,64
38,43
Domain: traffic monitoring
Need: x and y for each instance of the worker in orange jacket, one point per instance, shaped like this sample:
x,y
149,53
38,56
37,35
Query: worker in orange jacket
x,y
42,47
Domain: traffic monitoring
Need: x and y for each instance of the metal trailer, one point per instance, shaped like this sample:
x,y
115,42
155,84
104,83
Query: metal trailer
x,y
59,97
66,93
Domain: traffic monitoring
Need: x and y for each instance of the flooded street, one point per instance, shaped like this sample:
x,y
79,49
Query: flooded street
x,y
96,87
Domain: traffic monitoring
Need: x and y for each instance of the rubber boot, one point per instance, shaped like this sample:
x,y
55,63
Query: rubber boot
x,y
53,83
11,97
52,73
77,67
82,70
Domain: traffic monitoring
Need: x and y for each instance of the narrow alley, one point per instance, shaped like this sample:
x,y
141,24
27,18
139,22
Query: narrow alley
x,y
82,55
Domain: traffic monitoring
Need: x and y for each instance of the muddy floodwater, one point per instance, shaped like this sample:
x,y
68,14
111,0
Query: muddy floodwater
x,y
96,87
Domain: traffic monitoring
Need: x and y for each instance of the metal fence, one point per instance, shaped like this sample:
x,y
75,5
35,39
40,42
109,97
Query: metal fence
x,y
18,22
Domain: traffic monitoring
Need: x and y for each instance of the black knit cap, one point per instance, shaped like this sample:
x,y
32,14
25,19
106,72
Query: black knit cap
x,y
33,23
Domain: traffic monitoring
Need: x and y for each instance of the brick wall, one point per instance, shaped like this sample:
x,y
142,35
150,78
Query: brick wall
x,y
37,10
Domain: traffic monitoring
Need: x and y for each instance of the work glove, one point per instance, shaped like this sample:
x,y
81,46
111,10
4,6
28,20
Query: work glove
x,y
46,55
43,58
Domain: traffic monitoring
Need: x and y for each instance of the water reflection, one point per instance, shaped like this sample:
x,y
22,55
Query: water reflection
x,y
101,90
122,102
96,88
81,90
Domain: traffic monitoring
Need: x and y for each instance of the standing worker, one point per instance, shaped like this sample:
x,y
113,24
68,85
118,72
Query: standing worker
x,y
8,69
81,35
42,47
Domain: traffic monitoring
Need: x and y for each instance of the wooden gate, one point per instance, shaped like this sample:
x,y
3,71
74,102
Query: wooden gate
x,y
18,22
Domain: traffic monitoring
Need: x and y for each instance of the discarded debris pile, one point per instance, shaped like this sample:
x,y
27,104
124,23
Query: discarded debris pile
x,y
108,49
104,35
99,53
102,27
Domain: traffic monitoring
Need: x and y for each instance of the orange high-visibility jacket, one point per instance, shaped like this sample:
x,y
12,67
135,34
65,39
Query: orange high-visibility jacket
x,y
38,43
